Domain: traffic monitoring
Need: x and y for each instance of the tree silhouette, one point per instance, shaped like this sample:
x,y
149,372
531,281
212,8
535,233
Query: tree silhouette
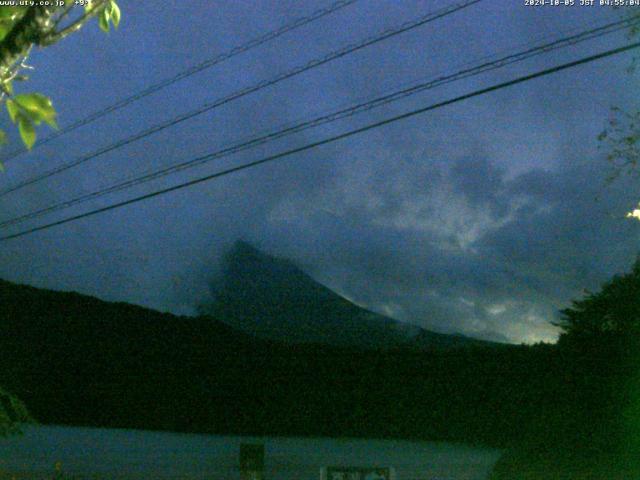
x,y
592,429
610,315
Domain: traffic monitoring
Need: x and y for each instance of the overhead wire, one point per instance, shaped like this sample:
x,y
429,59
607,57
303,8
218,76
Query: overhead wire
x,y
328,140
384,35
192,70
330,117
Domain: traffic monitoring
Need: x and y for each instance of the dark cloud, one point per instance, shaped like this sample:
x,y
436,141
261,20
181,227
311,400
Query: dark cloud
x,y
474,251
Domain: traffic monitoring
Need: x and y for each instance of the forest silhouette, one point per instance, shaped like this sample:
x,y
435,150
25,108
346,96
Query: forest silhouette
x,y
568,410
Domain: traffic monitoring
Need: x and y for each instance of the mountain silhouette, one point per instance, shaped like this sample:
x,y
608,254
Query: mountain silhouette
x,y
272,298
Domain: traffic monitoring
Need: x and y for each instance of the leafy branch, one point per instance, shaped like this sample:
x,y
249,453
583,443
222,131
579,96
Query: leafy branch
x,y
621,136
22,28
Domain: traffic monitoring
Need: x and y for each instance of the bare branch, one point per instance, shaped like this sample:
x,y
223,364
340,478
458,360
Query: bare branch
x,y
54,37
62,16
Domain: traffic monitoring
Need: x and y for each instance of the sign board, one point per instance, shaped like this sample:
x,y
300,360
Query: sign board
x,y
357,473
251,457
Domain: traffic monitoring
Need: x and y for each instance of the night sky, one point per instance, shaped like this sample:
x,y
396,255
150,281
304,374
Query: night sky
x,y
485,217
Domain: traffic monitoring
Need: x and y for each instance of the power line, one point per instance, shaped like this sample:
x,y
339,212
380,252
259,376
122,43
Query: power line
x,y
199,67
331,117
386,34
328,140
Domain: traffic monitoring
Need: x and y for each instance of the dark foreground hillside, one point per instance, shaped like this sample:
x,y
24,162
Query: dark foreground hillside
x,y
567,411
78,360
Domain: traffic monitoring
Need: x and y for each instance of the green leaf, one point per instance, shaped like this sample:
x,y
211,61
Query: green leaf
x,y
9,16
35,102
114,13
27,130
103,20
8,87
10,13
5,27
38,108
3,137
13,110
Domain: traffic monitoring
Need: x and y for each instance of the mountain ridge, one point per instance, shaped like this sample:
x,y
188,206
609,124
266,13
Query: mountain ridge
x,y
271,297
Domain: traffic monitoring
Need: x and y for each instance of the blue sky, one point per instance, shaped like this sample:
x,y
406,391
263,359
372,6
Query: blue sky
x,y
484,217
